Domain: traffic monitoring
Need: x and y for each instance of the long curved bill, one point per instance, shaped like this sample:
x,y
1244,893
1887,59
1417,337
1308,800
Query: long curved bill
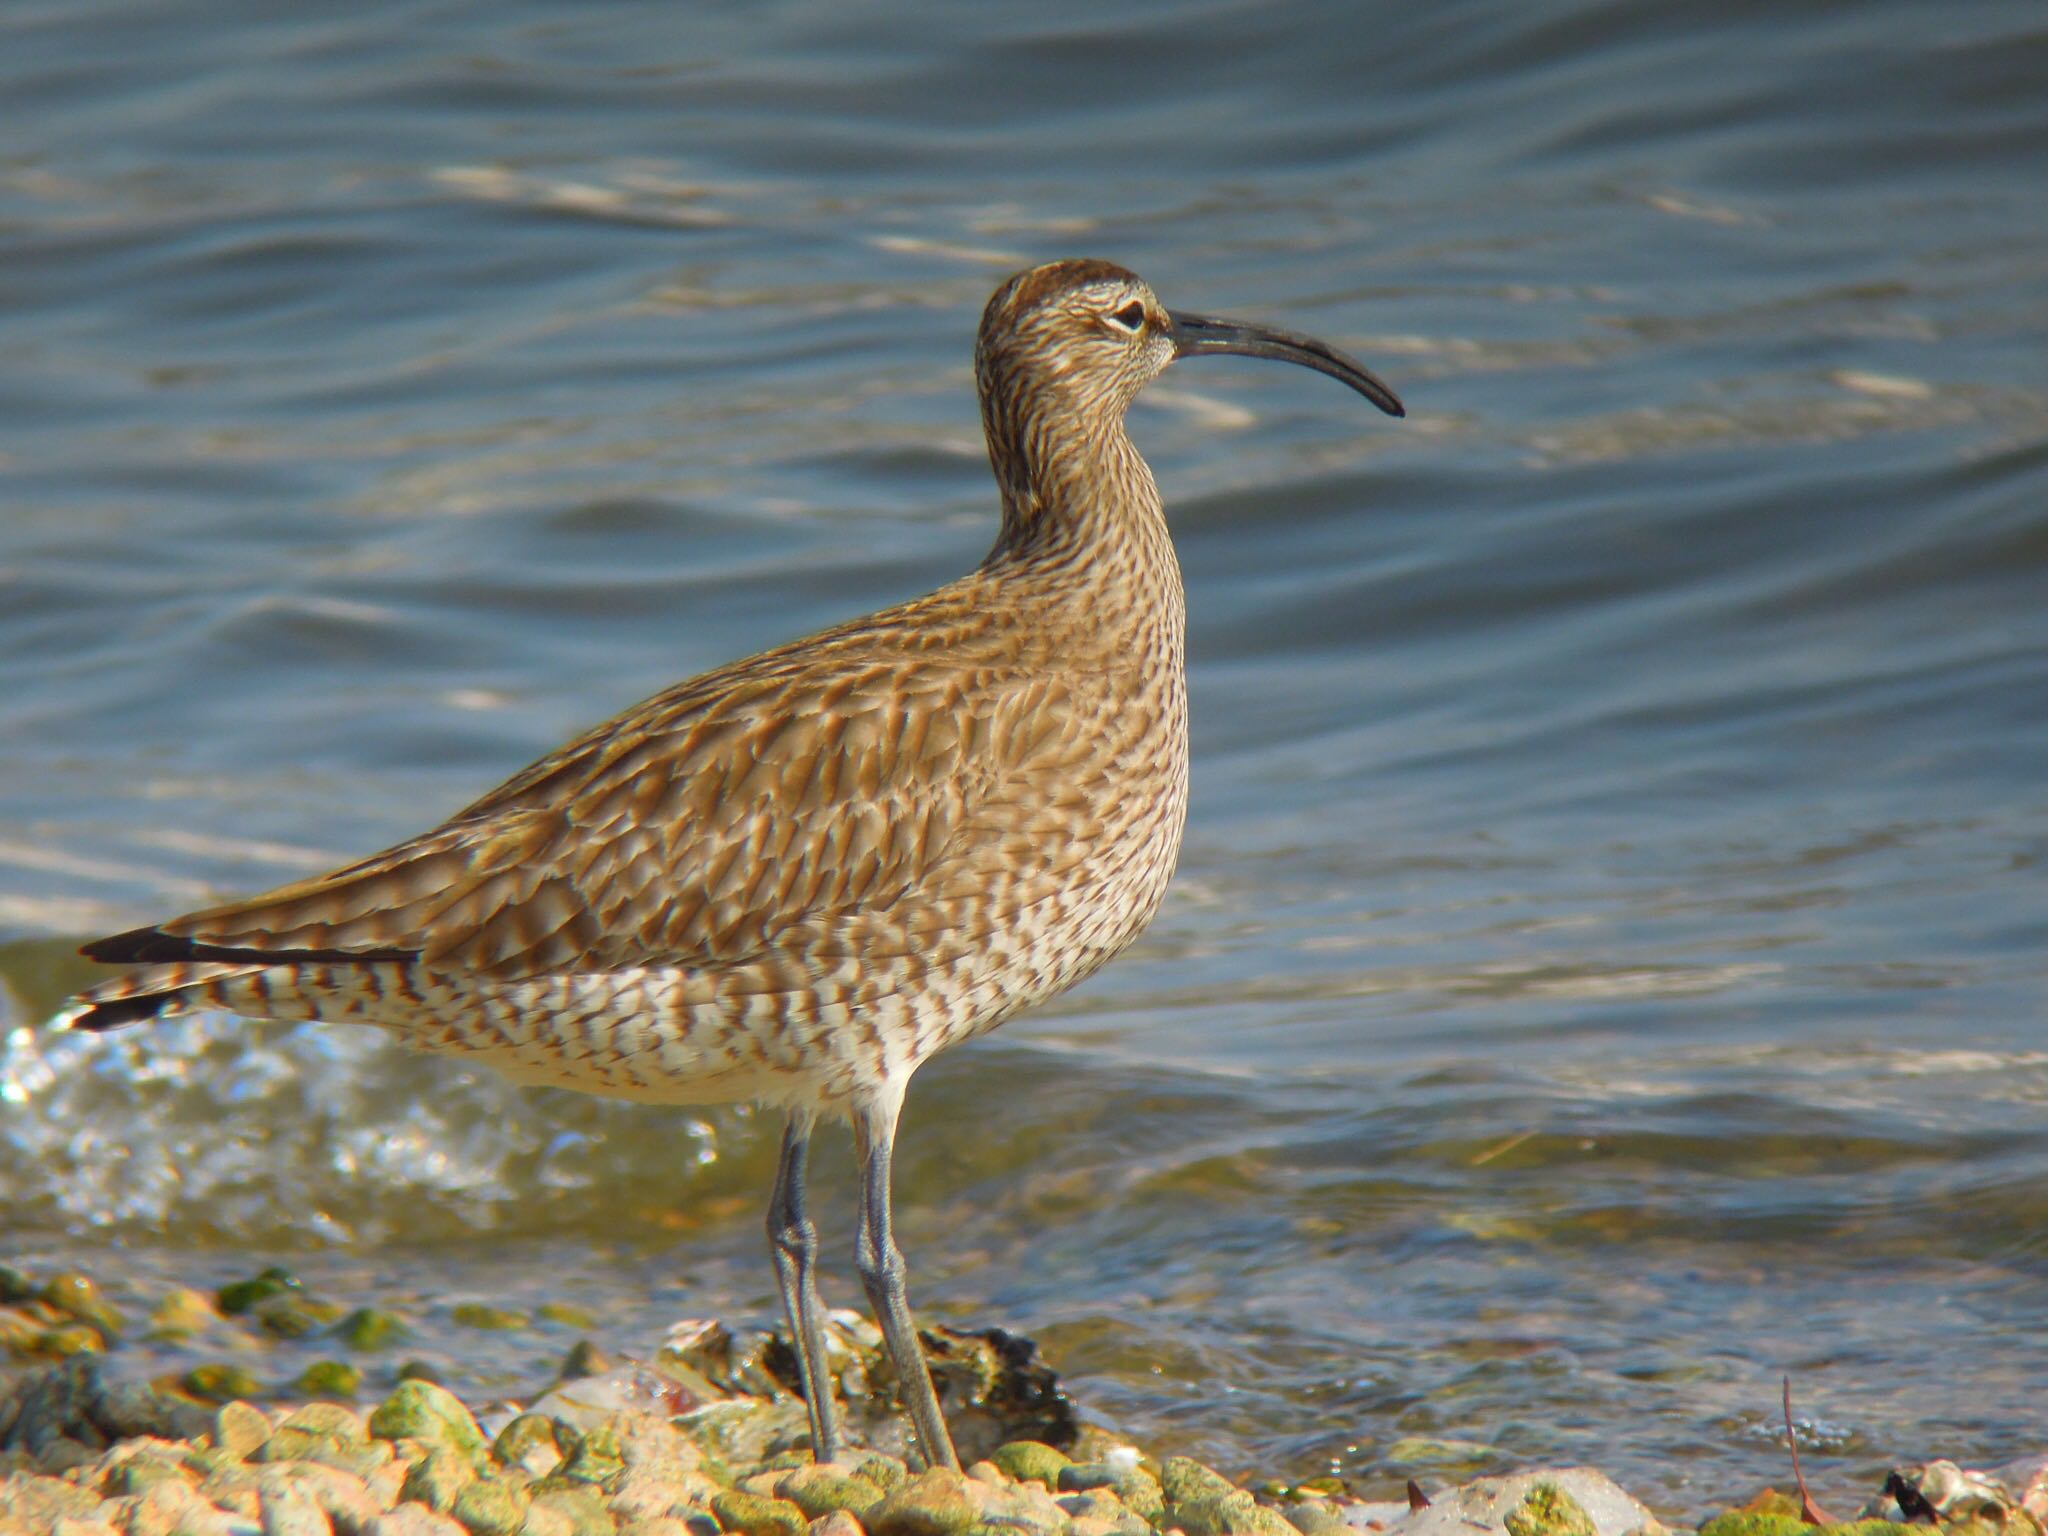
x,y
1195,334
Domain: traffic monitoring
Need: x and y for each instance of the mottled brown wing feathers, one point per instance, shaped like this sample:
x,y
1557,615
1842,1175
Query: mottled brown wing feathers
x,y
690,830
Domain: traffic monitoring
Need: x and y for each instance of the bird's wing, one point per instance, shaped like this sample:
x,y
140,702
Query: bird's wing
x,y
689,830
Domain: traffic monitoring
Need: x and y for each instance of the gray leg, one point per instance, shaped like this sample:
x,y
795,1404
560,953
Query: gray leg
x,y
881,1272
794,1242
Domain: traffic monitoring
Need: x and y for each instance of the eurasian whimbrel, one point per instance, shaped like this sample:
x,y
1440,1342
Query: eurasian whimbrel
x,y
795,878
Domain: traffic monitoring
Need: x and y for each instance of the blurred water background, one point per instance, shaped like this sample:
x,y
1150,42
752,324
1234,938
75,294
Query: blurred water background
x,y
1606,970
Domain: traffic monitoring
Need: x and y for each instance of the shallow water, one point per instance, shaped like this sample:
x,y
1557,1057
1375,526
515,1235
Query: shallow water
x,y
1605,973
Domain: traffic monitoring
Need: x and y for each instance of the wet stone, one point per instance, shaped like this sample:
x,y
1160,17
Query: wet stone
x,y
748,1514
531,1443
1315,1517
934,1503
420,1410
1547,1510
315,1427
331,1378
489,1507
290,1511
417,1520
369,1328
219,1382
345,1499
1183,1480
819,1490
181,1315
583,1510
474,1314
436,1481
240,1429
885,1472
77,1296
1030,1461
246,1295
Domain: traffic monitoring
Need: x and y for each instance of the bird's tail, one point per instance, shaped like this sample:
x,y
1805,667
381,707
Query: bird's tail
x,y
152,992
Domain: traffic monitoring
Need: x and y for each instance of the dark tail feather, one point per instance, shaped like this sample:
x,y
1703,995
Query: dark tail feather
x,y
152,946
119,1011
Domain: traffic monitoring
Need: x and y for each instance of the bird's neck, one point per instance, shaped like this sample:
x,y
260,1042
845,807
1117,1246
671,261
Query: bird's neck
x,y
1079,488
1083,527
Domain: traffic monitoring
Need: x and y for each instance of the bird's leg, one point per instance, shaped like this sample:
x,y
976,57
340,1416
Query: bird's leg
x,y
794,1242
881,1272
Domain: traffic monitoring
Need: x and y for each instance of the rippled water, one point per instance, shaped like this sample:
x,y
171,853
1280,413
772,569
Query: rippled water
x,y
1606,971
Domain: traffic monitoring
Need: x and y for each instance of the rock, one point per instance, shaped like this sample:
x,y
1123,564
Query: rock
x,y
819,1490
644,1494
246,1295
582,1508
422,1411
437,1480
311,1428
1485,1503
593,1458
1547,1510
934,1503
489,1507
475,1314
63,1414
286,1510
885,1472
416,1520
1314,1517
1030,1461
345,1499
747,1514
40,1502
76,1296
1183,1480
331,1378
240,1429
531,1443
219,1381
176,1509
369,1328
181,1315
837,1523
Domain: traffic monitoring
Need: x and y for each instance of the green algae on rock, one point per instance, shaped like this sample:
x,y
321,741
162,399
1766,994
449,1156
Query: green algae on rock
x,y
420,1410
1547,1510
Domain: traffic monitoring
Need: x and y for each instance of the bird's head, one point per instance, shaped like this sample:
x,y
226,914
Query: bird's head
x,y
1089,335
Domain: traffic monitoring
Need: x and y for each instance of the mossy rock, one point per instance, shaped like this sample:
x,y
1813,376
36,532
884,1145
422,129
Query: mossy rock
x,y
1739,1522
817,1491
1547,1510
312,1427
437,1479
885,1472
1184,1480
590,1459
240,1429
75,1295
749,1514
219,1383
489,1507
1030,1461
369,1328
475,1314
419,1410
331,1378
1142,1495
246,1295
582,1508
934,1503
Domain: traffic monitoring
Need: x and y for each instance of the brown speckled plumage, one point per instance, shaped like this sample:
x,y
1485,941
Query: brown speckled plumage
x,y
796,877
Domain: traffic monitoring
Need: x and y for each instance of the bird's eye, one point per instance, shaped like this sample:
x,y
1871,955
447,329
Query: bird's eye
x,y
1130,317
